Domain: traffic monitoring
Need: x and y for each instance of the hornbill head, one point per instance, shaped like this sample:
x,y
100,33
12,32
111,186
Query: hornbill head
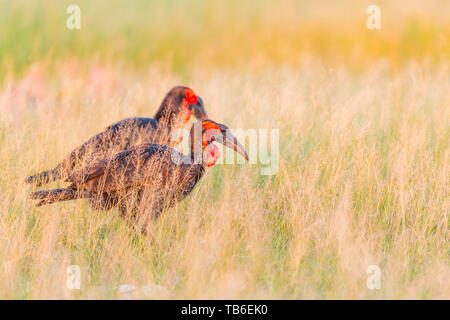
x,y
181,101
212,131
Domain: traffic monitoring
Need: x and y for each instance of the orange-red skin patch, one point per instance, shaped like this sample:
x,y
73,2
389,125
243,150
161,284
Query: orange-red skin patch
x,y
208,125
212,154
187,111
191,98
211,151
206,137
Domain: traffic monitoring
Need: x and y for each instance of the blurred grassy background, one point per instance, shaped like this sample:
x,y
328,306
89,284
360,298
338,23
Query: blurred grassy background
x,y
189,33
364,147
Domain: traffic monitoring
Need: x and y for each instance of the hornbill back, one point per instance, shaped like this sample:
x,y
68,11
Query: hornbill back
x,y
148,178
178,104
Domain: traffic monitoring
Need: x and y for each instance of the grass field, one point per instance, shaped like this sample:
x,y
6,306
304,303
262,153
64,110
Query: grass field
x,y
363,179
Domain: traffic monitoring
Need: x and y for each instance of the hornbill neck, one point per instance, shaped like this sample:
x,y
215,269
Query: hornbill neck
x,y
196,167
166,116
196,152
167,112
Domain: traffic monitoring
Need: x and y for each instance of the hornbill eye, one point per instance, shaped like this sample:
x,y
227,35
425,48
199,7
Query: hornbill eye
x,y
211,135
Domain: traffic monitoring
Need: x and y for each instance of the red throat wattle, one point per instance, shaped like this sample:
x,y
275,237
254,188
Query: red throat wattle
x,y
191,98
211,154
187,112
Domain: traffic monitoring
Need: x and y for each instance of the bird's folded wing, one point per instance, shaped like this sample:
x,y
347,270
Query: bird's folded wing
x,y
88,173
124,166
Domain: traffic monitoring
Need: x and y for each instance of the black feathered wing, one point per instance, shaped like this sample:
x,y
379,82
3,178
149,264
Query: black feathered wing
x,y
115,138
128,168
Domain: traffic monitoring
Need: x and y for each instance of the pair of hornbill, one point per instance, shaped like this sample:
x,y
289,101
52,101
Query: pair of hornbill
x,y
132,164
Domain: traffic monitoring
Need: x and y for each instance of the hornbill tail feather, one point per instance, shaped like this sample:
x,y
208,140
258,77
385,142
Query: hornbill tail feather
x,y
43,177
55,195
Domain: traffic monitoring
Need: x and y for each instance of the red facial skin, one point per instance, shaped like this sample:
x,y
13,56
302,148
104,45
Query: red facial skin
x,y
191,98
212,154
210,151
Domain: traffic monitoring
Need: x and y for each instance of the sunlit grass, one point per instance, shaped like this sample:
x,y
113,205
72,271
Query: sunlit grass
x,y
364,147
363,180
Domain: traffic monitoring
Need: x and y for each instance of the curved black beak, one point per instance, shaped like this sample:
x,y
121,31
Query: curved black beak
x,y
198,109
231,141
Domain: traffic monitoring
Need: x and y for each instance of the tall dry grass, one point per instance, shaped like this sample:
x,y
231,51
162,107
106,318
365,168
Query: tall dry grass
x,y
363,180
364,147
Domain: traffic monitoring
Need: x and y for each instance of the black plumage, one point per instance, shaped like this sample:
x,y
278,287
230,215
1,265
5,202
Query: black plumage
x,y
175,109
147,178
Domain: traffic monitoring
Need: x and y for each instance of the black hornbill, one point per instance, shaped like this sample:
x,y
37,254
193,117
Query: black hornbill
x,y
149,177
175,109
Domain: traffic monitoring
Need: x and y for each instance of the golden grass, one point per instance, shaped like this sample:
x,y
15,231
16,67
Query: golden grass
x,y
364,147
363,180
